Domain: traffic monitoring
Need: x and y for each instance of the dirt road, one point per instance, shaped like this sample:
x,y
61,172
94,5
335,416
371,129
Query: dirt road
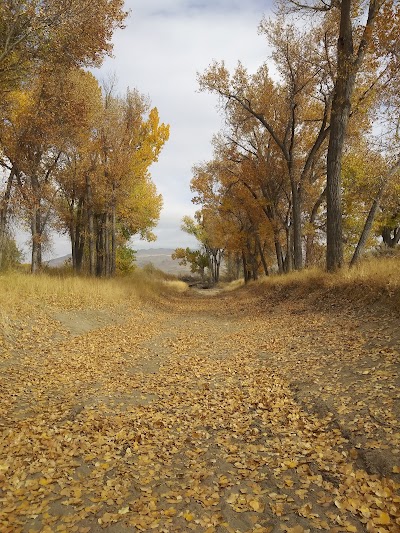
x,y
227,413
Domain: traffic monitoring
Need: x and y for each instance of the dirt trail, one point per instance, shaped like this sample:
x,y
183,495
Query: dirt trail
x,y
220,413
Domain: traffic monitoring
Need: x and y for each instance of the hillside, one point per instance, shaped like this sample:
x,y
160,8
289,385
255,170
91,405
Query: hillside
x,y
160,258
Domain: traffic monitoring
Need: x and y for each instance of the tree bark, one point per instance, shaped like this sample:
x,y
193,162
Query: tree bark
x,y
279,255
288,265
262,256
90,214
387,236
368,225
246,274
310,237
79,236
36,226
36,257
113,240
339,119
4,206
107,245
347,67
297,229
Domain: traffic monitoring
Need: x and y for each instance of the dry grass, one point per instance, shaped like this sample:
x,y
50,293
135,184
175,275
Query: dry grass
x,y
232,285
176,286
25,295
72,292
373,279
60,291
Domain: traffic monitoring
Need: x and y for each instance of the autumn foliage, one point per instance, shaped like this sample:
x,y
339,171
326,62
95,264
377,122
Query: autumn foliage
x,y
75,156
308,162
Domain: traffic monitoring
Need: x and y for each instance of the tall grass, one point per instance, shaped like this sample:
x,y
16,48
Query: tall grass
x,y
64,290
370,280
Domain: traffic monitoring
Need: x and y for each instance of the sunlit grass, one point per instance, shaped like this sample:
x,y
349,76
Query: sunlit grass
x,y
369,280
68,291
176,285
232,285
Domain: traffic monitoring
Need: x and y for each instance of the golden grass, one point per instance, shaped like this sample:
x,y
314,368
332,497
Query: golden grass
x,y
232,285
370,280
377,272
73,292
26,295
176,285
58,291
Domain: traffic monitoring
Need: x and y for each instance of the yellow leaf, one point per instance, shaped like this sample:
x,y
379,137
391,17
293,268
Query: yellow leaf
x,y
124,510
382,519
232,498
188,516
255,505
290,464
170,512
396,470
365,511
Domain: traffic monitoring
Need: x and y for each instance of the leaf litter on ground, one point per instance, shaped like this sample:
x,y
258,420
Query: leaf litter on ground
x,y
228,413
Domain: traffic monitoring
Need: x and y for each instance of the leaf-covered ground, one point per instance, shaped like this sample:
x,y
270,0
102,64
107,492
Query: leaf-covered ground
x,y
228,413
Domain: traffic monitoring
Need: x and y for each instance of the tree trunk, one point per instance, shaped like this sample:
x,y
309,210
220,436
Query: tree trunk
x,y
113,240
310,236
289,250
262,256
4,212
246,274
79,236
107,246
279,255
100,245
367,226
387,237
253,260
90,215
36,257
348,65
36,226
297,229
339,119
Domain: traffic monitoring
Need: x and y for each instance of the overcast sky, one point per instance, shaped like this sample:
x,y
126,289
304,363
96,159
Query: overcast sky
x,y
161,50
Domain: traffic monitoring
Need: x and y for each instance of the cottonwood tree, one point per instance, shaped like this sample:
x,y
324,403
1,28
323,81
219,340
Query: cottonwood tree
x,y
69,33
366,31
36,35
221,188
294,111
204,227
196,259
106,186
41,117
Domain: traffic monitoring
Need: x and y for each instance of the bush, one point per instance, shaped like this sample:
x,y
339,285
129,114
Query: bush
x,y
11,255
125,262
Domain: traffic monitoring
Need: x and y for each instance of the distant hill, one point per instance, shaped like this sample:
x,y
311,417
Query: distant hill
x,y
58,261
159,257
